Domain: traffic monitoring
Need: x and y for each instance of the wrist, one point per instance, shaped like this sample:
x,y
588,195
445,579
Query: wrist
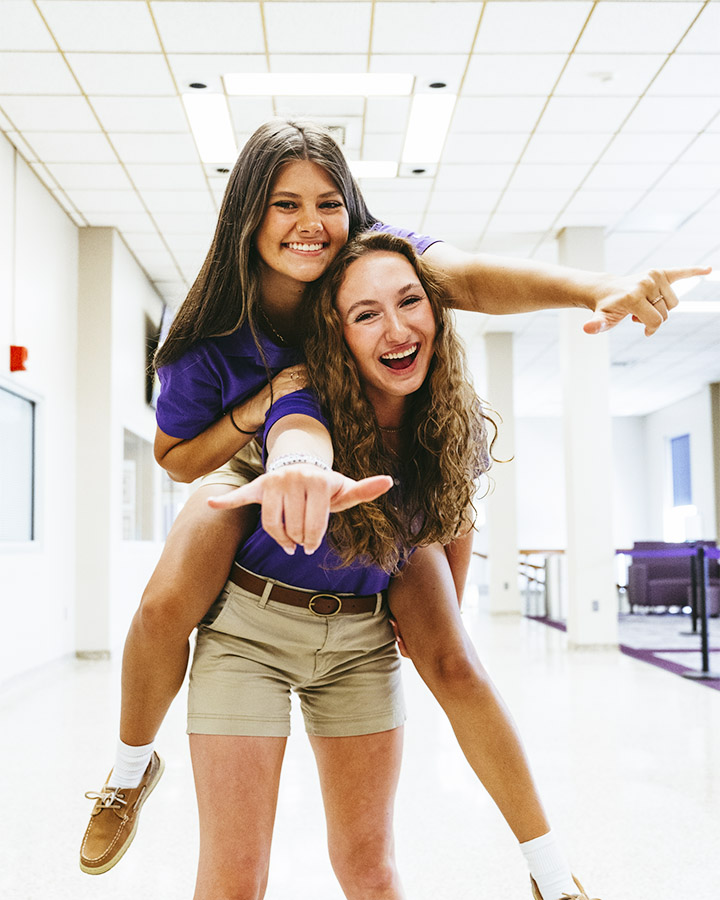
x,y
240,425
292,459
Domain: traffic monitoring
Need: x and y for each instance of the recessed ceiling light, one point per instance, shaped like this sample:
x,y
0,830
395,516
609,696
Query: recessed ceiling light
x,y
438,84
198,85
303,84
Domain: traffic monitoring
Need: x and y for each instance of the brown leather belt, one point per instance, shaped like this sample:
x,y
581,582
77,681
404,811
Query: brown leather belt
x,y
320,603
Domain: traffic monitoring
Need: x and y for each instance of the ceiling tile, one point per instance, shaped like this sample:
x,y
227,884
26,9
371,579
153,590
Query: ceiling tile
x,y
440,224
427,68
585,114
397,201
383,146
440,27
23,28
622,27
541,201
106,201
519,223
572,219
616,75
249,113
548,176
116,25
121,221
206,68
313,27
155,148
210,27
454,201
387,114
98,176
35,73
626,250
178,201
624,177
60,147
186,223
642,219
122,73
503,75
473,178
565,148
705,149
705,176
5,124
673,114
135,114
613,201
483,148
703,36
318,62
50,113
397,184
689,76
162,177
532,26
27,152
636,148
503,114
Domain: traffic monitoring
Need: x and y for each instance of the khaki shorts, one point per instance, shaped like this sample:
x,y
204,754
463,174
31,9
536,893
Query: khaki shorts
x,y
241,469
251,653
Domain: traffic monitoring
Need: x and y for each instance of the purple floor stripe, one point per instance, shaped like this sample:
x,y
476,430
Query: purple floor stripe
x,y
645,655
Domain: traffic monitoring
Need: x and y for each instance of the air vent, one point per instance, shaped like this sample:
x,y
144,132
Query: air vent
x,y
338,132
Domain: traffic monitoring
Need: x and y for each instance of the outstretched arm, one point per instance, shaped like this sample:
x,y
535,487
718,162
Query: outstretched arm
x,y
297,499
498,286
186,460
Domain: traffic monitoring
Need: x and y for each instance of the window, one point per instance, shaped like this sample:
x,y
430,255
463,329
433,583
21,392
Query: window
x,y
681,482
138,489
17,467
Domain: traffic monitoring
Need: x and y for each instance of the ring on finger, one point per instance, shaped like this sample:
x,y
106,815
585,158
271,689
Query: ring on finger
x,y
656,300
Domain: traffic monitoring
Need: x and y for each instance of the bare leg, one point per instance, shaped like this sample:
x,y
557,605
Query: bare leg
x,y
189,575
424,602
358,777
236,780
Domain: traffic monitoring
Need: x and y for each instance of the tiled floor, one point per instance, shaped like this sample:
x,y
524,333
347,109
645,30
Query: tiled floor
x,y
627,755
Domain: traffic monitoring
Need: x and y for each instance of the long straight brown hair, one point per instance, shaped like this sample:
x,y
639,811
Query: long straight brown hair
x,y
226,291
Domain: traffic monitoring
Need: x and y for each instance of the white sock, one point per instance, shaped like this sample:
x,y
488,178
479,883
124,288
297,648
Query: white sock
x,y
130,765
549,867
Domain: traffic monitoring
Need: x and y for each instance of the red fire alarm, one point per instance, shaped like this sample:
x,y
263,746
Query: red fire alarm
x,y
18,358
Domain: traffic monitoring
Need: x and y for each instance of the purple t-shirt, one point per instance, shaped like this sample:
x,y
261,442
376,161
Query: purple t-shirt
x,y
322,571
218,373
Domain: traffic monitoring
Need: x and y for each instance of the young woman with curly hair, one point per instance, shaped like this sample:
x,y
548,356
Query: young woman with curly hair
x,y
394,384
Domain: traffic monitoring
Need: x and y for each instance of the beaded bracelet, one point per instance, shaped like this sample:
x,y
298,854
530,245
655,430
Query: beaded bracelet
x,y
236,426
290,459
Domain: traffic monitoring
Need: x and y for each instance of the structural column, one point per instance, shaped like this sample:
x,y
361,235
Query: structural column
x,y
502,547
592,594
95,462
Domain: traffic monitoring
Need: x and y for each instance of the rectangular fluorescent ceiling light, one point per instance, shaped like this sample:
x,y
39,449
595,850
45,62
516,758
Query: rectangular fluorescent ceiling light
x,y
212,129
371,168
430,116
303,84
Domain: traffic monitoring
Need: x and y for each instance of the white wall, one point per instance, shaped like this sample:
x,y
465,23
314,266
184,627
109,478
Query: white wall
x,y
39,276
691,416
38,307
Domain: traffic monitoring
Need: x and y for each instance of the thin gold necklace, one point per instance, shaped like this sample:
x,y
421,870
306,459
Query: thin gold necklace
x,y
391,430
280,339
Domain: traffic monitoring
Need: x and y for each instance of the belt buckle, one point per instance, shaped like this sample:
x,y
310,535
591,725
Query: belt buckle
x,y
329,615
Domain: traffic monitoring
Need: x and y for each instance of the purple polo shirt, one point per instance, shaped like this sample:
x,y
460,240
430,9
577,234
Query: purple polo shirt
x,y
219,373
322,571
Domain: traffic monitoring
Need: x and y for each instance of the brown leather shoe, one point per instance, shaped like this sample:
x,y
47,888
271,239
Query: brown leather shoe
x,y
581,896
114,820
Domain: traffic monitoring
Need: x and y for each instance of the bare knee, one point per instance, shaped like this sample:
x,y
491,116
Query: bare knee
x,y
163,612
364,874
457,670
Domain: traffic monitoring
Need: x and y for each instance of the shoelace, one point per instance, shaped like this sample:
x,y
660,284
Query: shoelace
x,y
110,798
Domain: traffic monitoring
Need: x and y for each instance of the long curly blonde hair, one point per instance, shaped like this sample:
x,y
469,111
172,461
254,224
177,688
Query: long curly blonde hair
x,y
447,447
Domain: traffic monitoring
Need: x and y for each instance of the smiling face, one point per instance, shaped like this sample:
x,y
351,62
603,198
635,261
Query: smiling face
x,y
389,328
305,223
